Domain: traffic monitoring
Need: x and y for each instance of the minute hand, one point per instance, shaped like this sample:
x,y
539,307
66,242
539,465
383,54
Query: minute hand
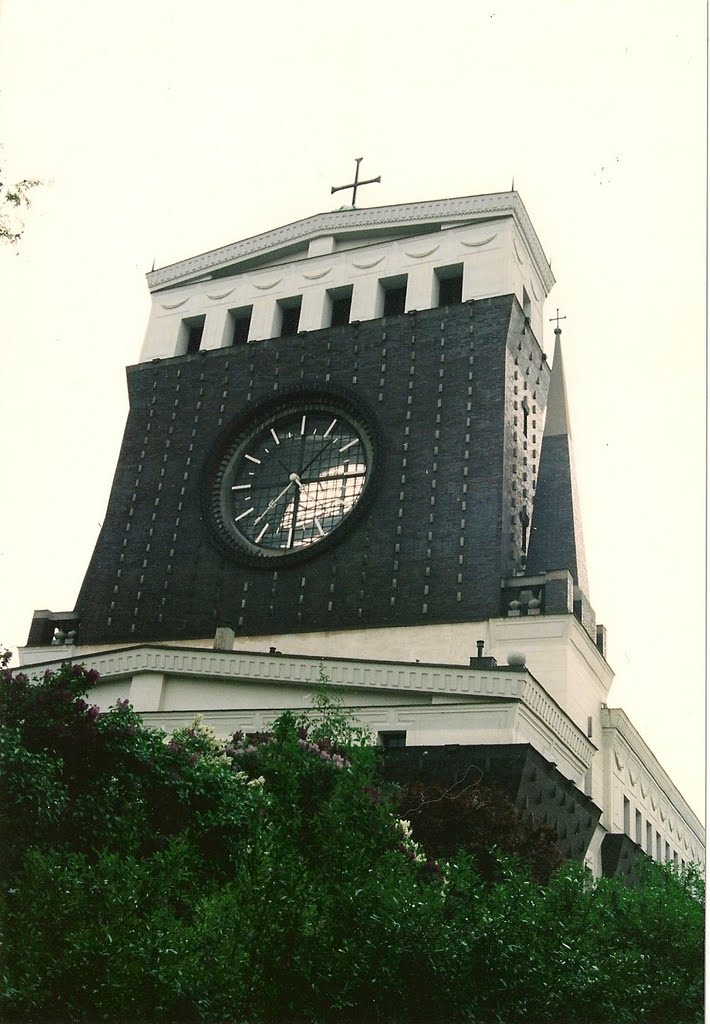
x,y
276,500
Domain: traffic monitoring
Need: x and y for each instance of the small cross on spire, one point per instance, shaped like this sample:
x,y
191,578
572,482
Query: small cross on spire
x,y
355,184
557,318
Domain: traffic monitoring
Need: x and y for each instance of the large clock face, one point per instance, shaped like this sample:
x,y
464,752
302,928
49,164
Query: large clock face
x,y
293,477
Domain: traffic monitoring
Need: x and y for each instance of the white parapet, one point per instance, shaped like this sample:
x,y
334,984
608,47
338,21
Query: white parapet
x,y
487,240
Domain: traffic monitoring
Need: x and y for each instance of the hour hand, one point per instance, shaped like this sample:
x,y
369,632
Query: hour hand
x,y
293,478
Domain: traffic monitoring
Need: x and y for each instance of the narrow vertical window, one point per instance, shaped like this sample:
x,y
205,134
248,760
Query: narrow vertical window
x,y
290,314
649,839
341,299
241,322
639,828
450,284
526,415
627,817
659,847
190,337
194,338
394,295
524,526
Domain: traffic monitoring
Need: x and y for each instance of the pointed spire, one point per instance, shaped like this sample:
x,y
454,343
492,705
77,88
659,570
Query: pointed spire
x,y
556,540
557,418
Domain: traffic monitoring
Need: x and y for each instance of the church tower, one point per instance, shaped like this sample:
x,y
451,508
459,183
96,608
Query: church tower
x,y
346,448
335,425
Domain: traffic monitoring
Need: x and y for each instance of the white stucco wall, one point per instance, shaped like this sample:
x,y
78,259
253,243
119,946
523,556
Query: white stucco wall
x,y
632,773
493,254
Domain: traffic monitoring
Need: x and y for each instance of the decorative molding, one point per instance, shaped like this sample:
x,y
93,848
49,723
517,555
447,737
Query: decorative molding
x,y
421,255
539,701
265,287
221,295
344,222
518,257
318,275
368,265
620,762
616,723
174,305
477,245
437,681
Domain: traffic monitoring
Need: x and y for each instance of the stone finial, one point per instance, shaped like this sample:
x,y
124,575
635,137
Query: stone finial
x,y
223,639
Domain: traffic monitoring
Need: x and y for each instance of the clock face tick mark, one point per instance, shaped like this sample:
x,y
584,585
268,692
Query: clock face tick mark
x,y
242,514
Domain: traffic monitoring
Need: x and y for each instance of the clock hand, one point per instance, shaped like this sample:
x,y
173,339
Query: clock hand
x,y
277,499
294,518
304,498
316,456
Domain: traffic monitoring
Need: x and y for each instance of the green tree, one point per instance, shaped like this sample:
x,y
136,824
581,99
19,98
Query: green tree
x,y
268,879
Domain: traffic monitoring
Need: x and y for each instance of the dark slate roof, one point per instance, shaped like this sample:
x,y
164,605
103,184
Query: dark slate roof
x,y
556,540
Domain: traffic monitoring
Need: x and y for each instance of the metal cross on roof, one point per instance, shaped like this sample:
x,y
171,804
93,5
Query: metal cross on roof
x,y
557,319
356,184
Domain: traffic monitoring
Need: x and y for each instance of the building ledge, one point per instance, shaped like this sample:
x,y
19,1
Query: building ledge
x,y
439,682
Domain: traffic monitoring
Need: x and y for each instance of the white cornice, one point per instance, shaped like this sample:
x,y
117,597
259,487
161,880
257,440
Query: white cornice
x,y
445,681
446,212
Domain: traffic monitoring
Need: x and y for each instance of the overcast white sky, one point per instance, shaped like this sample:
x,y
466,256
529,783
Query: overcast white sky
x,y
164,128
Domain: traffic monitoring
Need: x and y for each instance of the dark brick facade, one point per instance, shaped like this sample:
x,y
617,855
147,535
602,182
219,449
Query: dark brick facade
x,y
445,387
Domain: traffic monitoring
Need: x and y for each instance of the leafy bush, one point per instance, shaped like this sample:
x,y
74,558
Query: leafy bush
x,y
177,878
